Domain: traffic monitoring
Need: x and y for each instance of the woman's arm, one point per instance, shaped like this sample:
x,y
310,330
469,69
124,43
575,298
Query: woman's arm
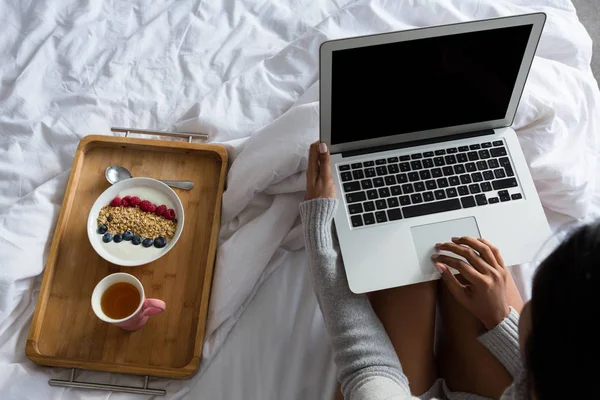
x,y
483,293
367,362
503,342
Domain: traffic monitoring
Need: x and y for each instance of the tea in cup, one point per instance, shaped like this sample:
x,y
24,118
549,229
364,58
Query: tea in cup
x,y
119,299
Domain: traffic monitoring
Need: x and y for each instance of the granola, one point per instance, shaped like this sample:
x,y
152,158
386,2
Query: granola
x,y
146,224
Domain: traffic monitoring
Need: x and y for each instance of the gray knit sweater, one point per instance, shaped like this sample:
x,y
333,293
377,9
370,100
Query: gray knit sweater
x,y
368,367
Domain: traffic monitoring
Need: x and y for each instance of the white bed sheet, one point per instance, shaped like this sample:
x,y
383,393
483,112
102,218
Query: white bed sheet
x,y
246,73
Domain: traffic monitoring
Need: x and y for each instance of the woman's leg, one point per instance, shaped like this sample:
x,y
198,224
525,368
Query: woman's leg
x,y
463,362
338,393
408,315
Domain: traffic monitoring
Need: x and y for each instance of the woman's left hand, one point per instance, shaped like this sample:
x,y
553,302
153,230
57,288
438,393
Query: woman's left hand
x,y
319,182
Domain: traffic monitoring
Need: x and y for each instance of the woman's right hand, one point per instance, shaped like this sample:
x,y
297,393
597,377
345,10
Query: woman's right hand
x,y
319,181
484,293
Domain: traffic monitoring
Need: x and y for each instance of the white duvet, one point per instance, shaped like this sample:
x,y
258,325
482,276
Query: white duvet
x,y
246,72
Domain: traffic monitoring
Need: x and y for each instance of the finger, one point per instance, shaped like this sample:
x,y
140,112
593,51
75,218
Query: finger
x,y
454,286
312,171
470,273
467,253
483,249
325,158
495,252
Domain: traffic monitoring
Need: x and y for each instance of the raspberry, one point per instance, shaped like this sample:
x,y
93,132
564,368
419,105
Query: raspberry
x,y
151,208
125,201
160,210
135,201
116,202
169,214
144,205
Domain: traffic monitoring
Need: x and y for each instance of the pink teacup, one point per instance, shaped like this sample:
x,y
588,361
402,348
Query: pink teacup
x,y
139,317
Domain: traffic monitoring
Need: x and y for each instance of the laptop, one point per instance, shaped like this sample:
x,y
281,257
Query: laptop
x,y
418,126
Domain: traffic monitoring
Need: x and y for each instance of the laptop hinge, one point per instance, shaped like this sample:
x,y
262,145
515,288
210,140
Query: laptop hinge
x,y
414,143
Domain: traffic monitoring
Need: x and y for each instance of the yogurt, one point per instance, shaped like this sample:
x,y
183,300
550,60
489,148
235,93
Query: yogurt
x,y
126,250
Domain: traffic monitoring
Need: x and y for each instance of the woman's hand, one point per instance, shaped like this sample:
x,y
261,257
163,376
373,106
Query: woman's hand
x,y
484,293
319,182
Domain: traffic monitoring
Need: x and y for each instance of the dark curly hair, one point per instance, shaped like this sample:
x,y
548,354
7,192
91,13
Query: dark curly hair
x,y
562,349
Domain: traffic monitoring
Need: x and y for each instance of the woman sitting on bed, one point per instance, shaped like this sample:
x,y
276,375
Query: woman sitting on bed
x,y
384,344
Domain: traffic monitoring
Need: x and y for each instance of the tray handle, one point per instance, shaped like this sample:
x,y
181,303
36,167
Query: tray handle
x,y
186,135
101,386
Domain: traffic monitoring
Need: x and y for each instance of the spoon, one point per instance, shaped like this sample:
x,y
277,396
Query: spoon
x,y
117,173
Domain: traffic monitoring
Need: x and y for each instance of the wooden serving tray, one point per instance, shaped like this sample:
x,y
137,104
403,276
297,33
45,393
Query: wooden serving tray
x,y
65,331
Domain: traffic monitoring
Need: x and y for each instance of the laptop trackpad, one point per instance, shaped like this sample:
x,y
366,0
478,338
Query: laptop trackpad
x,y
426,236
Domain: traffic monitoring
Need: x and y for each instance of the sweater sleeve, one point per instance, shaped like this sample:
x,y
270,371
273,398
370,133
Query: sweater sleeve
x,y
368,367
518,390
503,342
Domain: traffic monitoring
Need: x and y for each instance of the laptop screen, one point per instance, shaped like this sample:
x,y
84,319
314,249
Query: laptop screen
x,y
424,84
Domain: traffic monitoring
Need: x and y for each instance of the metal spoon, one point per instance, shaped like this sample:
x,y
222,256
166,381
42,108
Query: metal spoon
x,y
117,173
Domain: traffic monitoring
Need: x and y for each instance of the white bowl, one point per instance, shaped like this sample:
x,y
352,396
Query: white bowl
x,y
125,253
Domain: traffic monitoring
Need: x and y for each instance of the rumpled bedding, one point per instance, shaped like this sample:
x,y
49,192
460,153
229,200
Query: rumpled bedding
x,y
246,73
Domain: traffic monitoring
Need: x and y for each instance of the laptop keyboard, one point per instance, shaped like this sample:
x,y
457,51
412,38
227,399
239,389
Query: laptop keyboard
x,y
390,189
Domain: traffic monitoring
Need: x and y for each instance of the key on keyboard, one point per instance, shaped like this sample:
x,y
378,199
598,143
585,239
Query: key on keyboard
x,y
431,208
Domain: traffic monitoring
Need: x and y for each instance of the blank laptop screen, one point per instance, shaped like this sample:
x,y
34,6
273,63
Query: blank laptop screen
x,y
424,84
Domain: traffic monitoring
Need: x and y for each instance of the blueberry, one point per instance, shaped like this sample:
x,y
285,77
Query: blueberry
x,y
107,237
128,235
118,238
160,242
147,242
137,239
102,229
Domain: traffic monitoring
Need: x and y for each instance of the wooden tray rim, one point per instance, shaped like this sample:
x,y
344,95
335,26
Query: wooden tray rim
x,y
32,349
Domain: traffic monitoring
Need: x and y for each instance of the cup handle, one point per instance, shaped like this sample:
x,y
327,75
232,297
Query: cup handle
x,y
153,307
